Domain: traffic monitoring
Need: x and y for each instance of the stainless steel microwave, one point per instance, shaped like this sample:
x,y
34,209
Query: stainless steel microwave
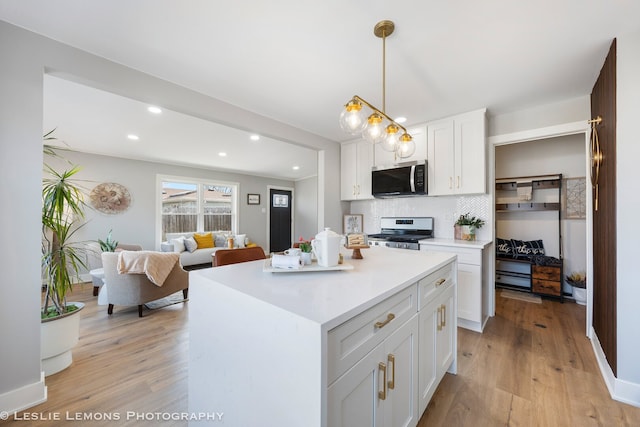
x,y
400,181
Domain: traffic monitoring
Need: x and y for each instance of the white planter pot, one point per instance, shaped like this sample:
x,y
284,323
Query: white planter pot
x,y
580,295
57,337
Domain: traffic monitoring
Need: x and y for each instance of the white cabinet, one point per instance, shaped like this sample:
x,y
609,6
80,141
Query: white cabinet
x,y
419,133
380,389
473,283
456,154
437,325
356,161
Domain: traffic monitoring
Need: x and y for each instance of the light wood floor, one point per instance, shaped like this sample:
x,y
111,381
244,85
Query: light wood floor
x,y
533,366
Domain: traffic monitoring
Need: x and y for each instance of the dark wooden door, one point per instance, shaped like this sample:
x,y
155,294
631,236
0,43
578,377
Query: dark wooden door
x,y
280,204
603,104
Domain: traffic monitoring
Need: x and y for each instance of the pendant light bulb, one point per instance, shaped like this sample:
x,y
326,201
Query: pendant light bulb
x,y
374,130
352,118
406,146
391,139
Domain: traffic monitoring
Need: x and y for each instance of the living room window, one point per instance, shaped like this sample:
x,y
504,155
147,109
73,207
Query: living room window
x,y
197,205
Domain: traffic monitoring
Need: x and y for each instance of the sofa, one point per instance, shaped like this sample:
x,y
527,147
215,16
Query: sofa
x,y
175,242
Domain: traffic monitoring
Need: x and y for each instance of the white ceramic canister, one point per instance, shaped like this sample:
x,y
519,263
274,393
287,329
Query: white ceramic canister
x,y
326,247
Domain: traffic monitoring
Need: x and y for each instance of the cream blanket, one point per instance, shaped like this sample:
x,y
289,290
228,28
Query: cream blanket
x,y
156,265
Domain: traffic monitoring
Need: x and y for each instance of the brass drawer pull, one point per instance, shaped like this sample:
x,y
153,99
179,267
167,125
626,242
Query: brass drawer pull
x,y
382,395
392,363
390,317
440,282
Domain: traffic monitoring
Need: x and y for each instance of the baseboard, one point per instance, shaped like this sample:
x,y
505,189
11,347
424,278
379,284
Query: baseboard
x,y
24,397
468,324
620,390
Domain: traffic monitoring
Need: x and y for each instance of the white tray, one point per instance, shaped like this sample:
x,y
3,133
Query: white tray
x,y
305,269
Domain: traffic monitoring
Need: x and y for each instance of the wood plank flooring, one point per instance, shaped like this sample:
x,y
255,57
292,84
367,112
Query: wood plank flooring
x,y
533,366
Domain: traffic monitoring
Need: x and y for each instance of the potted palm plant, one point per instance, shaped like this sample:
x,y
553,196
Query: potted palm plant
x,y
62,261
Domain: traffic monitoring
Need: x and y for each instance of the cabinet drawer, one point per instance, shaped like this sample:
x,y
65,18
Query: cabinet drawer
x,y
465,255
545,287
545,272
429,286
352,340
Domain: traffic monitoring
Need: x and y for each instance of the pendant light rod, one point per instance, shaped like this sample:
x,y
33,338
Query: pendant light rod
x,y
382,30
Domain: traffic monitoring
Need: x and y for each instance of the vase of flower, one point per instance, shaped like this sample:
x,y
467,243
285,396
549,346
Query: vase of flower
x,y
466,226
305,248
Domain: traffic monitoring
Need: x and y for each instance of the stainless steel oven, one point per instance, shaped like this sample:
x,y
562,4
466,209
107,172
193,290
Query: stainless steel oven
x,y
402,232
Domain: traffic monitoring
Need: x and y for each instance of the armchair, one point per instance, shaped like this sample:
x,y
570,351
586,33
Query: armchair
x,y
137,289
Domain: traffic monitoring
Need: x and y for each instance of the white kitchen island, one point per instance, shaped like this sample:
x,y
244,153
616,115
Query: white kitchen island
x,y
366,346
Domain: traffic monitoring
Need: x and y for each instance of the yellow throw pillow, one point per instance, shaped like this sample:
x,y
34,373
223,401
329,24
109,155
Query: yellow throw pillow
x,y
204,240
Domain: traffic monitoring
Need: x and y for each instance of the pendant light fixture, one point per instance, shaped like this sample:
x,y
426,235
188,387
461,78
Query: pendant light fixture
x,y
378,127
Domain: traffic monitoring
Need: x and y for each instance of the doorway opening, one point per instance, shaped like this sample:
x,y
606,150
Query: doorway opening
x,y
560,149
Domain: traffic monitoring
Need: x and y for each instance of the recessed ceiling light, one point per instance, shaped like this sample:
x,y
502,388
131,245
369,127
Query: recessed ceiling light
x,y
255,137
401,119
154,110
295,168
133,137
222,154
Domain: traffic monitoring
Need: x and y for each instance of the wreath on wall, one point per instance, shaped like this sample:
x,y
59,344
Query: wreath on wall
x,y
110,198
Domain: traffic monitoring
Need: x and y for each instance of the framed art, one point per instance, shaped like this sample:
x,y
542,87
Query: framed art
x,y
575,192
352,224
253,199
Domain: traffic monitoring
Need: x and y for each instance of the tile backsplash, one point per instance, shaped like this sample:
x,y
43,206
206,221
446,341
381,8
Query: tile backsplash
x,y
445,210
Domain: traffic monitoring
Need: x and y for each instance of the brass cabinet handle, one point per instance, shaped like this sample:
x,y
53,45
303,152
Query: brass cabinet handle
x,y
444,316
382,395
392,362
440,282
390,317
439,318
458,185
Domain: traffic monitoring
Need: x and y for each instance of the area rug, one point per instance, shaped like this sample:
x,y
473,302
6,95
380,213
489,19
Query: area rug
x,y
166,301
521,296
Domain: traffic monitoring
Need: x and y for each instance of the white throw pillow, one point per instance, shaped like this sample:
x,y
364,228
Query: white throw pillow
x,y
190,244
178,244
240,240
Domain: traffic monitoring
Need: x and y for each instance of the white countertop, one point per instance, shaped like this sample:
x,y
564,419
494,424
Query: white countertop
x,y
472,244
329,297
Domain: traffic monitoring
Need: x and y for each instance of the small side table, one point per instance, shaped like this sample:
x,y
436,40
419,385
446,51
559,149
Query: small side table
x,y
97,278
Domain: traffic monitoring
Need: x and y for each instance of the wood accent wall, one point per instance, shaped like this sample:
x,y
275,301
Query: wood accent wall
x,y
603,103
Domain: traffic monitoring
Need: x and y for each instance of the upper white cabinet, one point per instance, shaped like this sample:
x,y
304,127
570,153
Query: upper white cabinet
x,y
456,154
356,161
419,133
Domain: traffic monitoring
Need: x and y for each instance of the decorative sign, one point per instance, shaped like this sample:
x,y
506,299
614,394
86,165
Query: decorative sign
x,y
253,199
110,198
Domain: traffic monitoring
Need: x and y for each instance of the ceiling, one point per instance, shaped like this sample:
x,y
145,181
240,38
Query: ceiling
x,y
298,62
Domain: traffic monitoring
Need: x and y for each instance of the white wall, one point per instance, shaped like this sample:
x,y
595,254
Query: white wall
x,y
565,155
628,206
138,223
25,57
306,214
21,170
